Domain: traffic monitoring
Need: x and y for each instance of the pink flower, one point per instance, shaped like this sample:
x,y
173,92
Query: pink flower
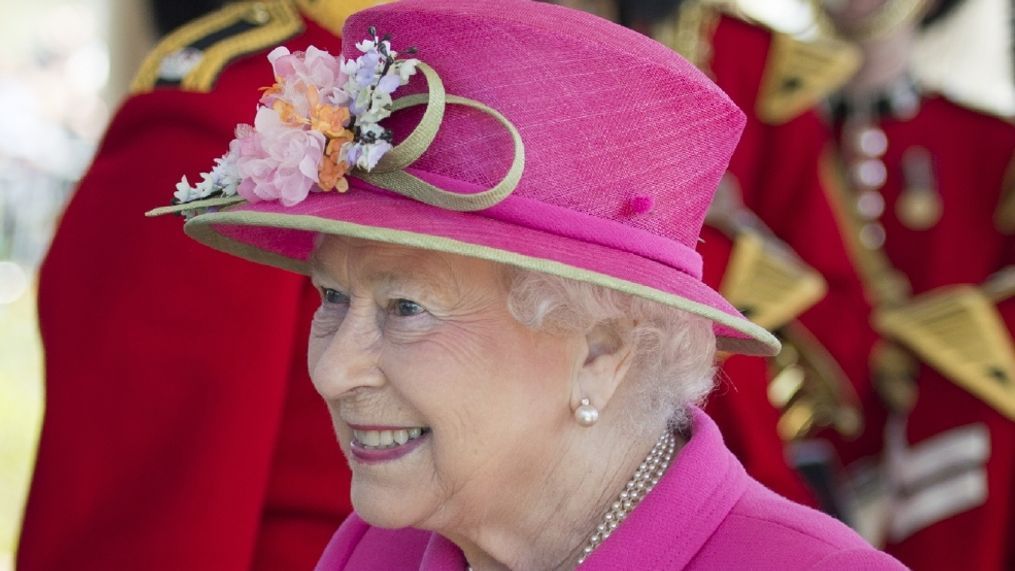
x,y
276,161
303,76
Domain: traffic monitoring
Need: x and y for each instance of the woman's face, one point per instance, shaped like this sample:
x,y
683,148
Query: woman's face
x,y
847,13
445,406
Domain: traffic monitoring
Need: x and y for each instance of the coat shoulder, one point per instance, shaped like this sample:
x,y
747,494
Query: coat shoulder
x,y
775,533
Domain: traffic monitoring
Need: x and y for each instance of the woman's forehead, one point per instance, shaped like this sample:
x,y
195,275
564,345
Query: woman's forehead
x,y
381,264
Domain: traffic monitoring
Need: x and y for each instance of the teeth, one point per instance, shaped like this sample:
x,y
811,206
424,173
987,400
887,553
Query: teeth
x,y
371,438
386,438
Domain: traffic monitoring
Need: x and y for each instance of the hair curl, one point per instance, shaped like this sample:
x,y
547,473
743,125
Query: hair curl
x,y
674,350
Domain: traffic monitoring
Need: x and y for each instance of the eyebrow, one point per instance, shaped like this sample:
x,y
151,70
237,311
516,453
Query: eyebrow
x,y
419,279
390,280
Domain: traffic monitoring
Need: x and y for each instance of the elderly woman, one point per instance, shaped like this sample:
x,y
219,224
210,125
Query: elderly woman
x,y
513,332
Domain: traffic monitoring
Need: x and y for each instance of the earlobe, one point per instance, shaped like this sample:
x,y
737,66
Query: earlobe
x,y
608,357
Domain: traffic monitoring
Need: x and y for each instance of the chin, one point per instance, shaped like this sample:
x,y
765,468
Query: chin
x,y
381,507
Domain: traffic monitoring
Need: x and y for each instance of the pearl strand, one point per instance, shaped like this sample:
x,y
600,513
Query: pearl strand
x,y
645,478
648,474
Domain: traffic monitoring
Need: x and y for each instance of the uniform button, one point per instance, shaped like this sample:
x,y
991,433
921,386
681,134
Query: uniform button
x,y
872,236
870,205
870,173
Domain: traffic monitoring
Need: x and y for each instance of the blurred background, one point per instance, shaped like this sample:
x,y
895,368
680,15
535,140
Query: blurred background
x,y
65,66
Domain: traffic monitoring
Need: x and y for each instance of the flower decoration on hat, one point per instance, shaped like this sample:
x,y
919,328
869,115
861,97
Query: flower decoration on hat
x,y
316,124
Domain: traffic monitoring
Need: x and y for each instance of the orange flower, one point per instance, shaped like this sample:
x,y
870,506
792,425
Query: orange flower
x,y
331,121
286,112
332,170
274,90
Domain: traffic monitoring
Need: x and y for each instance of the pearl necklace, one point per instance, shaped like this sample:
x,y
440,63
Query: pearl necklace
x,y
648,474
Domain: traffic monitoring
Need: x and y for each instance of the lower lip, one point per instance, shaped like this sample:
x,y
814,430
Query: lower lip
x,y
374,456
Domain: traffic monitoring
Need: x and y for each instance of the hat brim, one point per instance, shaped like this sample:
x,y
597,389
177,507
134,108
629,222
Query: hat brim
x,y
261,233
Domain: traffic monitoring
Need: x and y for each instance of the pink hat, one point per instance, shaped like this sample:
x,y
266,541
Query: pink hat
x,y
536,136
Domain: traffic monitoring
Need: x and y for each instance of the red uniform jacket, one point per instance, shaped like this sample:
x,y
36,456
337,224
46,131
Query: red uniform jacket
x,y
181,429
776,167
955,507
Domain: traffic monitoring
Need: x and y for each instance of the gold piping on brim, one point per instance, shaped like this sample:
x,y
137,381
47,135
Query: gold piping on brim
x,y
332,14
277,20
202,229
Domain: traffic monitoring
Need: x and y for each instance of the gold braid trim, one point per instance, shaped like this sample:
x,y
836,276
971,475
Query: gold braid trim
x,y
689,31
768,282
272,21
810,388
958,331
799,75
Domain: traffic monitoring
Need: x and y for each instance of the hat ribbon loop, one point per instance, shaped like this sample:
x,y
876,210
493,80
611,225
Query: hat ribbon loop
x,y
389,173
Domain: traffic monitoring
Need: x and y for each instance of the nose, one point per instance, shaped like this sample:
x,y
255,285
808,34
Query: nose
x,y
348,359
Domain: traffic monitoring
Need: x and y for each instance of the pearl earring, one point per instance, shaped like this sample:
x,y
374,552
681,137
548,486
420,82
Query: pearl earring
x,y
586,414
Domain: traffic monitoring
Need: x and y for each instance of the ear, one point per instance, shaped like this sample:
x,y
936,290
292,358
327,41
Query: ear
x,y
609,352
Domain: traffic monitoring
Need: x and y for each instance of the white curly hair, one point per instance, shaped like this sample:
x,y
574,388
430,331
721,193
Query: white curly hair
x,y
674,362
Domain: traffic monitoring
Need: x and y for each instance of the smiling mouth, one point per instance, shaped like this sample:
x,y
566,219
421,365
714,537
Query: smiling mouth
x,y
387,439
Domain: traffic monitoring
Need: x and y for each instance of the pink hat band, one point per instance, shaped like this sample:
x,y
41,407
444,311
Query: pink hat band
x,y
564,144
537,215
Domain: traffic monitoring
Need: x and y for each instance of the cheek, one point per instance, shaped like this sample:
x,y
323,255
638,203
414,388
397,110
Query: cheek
x,y
315,349
482,393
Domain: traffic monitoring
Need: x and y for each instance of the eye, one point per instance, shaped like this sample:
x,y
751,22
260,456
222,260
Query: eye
x,y
405,308
333,297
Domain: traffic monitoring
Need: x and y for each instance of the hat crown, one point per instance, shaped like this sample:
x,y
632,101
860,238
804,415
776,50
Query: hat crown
x,y
615,125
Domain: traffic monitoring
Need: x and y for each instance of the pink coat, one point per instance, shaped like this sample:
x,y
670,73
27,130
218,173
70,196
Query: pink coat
x,y
706,513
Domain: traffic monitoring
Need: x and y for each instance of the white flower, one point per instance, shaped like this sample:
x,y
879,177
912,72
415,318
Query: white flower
x,y
366,45
221,181
184,192
223,177
372,154
405,69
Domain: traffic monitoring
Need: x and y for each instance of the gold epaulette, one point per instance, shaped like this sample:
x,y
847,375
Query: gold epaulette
x,y
1004,217
768,282
332,14
800,74
192,57
958,331
688,31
